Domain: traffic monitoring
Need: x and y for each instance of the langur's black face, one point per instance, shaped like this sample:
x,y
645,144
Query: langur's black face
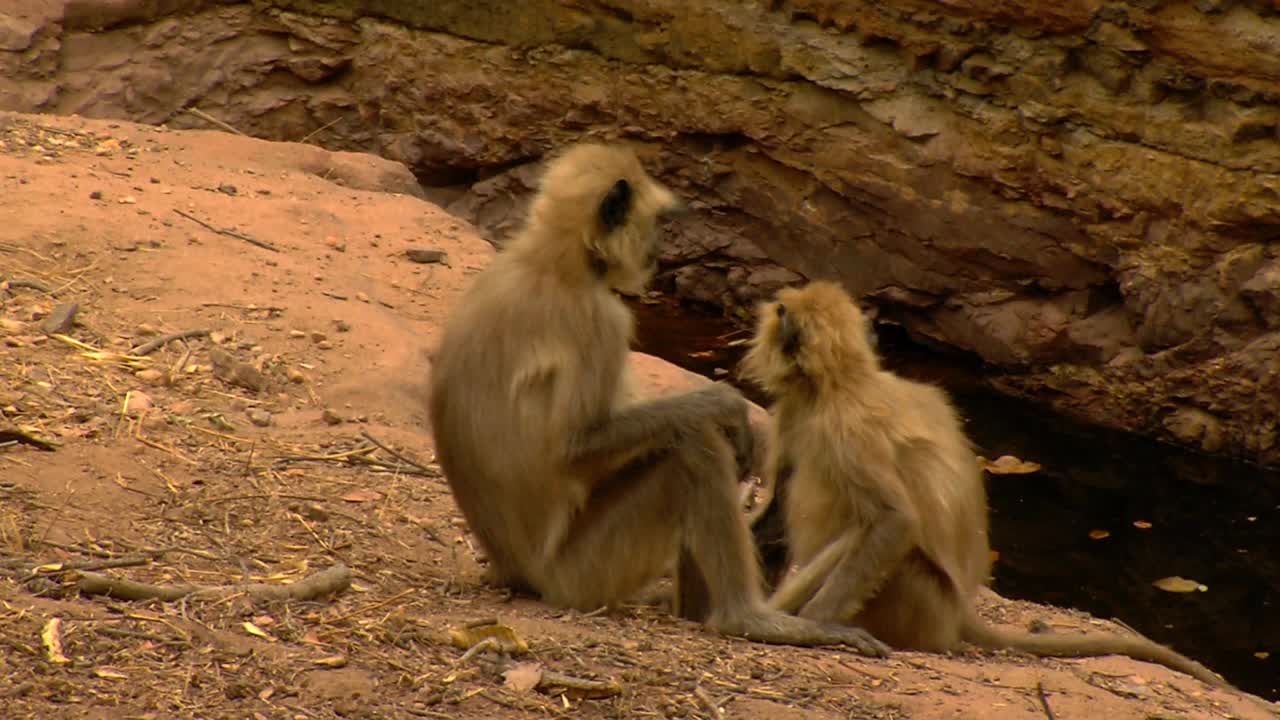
x,y
630,217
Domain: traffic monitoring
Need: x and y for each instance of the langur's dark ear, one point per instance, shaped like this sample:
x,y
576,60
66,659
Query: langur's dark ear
x,y
788,331
615,206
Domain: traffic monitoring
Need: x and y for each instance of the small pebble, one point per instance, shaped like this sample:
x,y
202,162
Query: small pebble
x,y
182,407
151,376
427,256
295,375
331,417
61,320
318,337
362,297
342,325
259,417
324,345
297,334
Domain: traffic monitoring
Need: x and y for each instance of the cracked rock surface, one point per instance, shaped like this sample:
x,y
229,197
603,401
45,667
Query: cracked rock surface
x,y
1083,194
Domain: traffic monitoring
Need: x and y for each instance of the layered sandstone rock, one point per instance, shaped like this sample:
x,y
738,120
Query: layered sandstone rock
x,y
1084,194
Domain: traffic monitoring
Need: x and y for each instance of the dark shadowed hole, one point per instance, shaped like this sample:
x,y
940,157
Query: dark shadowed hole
x,y
1211,520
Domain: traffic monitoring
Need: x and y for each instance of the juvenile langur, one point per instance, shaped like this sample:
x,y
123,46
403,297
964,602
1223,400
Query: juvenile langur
x,y
572,490
768,518
885,507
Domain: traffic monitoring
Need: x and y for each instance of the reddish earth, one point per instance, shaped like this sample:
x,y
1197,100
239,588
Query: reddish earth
x,y
186,487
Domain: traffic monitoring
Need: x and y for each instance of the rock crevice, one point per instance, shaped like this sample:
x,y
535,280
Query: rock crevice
x,y
1083,194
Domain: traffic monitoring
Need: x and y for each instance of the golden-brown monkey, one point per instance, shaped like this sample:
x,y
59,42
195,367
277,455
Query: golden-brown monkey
x,y
572,490
885,506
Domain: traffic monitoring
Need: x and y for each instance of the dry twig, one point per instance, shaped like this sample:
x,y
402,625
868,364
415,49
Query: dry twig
x,y
213,120
228,232
12,436
402,458
334,580
1044,701
151,346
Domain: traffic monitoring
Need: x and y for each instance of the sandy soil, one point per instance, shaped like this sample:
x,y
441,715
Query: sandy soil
x,y
245,454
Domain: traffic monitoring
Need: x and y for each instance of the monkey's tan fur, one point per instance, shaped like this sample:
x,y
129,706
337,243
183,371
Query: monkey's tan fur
x,y
572,490
886,509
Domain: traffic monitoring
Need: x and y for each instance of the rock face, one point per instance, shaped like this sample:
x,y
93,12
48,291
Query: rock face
x,y
1086,195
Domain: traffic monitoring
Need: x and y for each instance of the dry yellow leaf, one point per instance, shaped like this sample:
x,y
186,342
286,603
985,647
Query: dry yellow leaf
x,y
255,630
1008,465
333,661
1177,584
51,636
109,673
362,495
508,641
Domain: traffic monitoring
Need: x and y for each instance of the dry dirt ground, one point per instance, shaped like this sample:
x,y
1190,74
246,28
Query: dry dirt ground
x,y
243,455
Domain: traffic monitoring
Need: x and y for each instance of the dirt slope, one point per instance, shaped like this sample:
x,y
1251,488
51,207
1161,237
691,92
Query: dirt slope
x,y
170,475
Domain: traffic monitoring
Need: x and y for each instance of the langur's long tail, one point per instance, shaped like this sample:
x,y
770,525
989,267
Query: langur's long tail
x,y
978,632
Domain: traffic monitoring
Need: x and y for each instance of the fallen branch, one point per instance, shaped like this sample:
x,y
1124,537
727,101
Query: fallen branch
x,y
707,703
36,285
326,582
213,120
549,681
85,566
228,232
553,681
10,436
402,458
149,347
1044,701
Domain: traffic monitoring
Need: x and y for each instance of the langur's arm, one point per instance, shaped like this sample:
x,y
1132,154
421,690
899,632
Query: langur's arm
x,y
860,572
799,587
879,489
634,430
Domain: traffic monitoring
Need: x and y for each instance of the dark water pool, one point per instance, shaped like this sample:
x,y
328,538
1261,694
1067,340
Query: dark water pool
x,y
1205,519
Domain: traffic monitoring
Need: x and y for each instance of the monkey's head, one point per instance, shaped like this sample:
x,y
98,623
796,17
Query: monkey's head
x,y
812,336
599,199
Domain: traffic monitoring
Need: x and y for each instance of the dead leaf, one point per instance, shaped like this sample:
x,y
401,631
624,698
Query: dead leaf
x,y
1008,465
255,630
332,661
51,636
1262,654
1177,584
109,673
523,677
1099,534
362,495
509,642
1142,524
